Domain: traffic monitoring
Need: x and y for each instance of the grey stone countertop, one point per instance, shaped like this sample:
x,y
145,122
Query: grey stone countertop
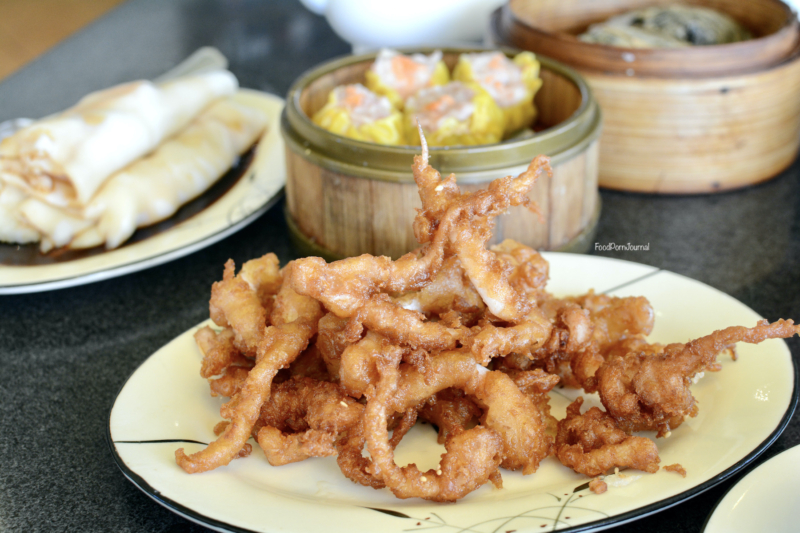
x,y
65,354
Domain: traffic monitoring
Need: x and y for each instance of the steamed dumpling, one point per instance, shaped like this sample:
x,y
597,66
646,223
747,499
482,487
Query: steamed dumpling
x,y
398,76
454,114
356,112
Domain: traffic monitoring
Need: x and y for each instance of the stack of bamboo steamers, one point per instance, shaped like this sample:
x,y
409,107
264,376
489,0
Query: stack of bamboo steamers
x,y
678,120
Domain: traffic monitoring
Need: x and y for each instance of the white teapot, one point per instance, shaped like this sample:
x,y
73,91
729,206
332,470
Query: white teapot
x,y
372,24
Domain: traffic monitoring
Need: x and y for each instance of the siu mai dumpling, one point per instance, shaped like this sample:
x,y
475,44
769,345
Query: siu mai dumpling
x,y
356,112
454,114
398,76
512,83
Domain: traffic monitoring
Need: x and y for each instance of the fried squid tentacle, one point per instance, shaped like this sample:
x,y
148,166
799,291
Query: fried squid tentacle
x,y
645,391
278,347
281,345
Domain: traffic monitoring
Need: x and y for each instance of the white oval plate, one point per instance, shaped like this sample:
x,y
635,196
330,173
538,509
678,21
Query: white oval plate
x,y
763,500
166,405
255,192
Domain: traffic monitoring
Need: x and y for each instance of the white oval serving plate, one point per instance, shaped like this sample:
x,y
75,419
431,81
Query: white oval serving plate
x,y
766,499
166,405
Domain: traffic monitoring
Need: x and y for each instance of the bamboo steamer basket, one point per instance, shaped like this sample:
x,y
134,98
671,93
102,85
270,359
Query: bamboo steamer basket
x,y
346,197
691,120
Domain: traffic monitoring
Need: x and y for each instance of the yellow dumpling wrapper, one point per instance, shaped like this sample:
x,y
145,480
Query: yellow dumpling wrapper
x,y
513,90
348,113
397,76
454,114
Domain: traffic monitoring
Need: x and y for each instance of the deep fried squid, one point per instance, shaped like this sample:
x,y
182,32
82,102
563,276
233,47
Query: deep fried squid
x,y
644,392
278,347
472,456
321,359
591,444
302,419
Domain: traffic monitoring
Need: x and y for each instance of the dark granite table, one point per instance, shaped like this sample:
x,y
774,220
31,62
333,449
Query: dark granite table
x,y
65,354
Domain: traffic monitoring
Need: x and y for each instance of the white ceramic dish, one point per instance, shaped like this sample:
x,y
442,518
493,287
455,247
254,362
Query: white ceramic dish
x,y
764,500
258,188
369,25
166,405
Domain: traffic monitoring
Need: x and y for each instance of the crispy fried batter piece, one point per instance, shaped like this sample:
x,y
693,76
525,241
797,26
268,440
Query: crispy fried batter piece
x,y
236,301
219,353
591,444
332,339
230,382
448,291
598,486
677,468
536,384
529,270
615,319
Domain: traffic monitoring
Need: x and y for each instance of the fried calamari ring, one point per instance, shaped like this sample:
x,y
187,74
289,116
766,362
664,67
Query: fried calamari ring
x,y
506,410
357,370
592,443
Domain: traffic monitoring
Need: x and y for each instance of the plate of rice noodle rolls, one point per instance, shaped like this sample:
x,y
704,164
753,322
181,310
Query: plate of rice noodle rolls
x,y
77,186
